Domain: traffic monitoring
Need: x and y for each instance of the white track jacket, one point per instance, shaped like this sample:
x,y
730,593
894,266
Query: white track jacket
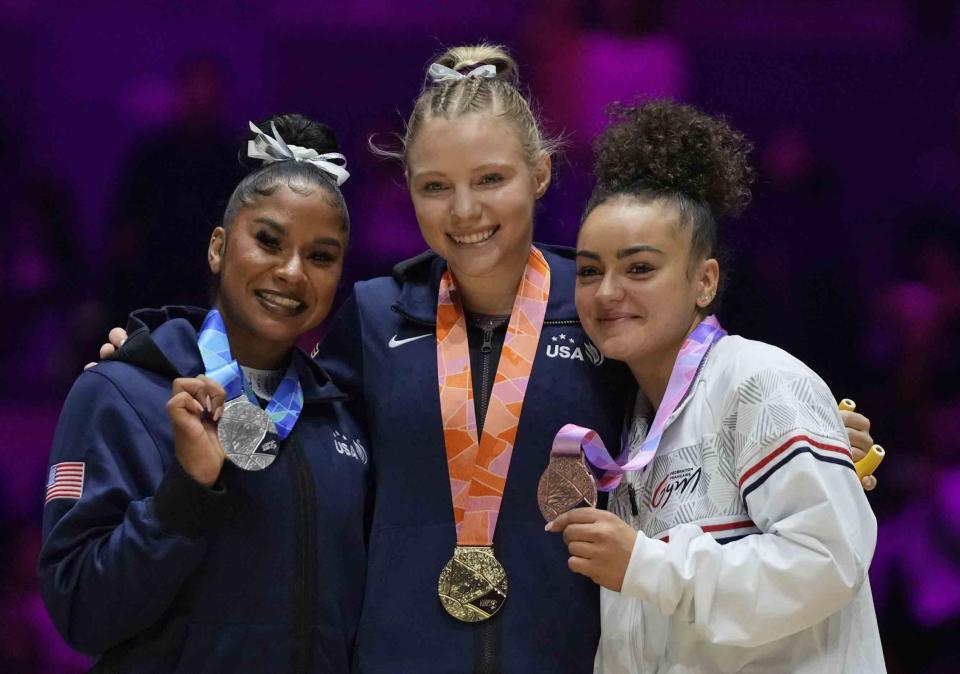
x,y
754,534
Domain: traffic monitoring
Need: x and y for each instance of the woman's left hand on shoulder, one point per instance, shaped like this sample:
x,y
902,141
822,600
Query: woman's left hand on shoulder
x,y
858,432
599,542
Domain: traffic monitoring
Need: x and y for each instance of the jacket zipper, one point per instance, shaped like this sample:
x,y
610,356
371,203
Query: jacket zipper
x,y
485,349
696,376
305,546
632,493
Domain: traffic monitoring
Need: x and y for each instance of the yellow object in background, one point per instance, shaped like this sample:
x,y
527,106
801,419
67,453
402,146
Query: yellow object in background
x,y
868,463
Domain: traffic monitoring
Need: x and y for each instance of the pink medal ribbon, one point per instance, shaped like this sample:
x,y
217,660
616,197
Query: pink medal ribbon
x,y
571,439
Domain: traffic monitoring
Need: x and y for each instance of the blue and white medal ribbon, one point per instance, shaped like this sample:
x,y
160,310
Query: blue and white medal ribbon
x,y
249,435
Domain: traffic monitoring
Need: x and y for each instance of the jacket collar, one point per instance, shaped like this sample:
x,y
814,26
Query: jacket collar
x,y
165,341
419,279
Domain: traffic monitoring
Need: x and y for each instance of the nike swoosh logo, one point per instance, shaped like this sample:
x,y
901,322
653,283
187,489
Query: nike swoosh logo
x,y
394,342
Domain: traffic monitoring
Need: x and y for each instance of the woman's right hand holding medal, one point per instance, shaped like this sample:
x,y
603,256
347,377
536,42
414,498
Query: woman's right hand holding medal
x,y
195,408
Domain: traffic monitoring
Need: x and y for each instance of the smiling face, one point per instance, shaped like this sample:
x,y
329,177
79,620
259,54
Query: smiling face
x,y
639,293
279,264
473,190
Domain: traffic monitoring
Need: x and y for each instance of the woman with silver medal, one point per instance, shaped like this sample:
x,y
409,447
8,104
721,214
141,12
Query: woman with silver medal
x,y
214,523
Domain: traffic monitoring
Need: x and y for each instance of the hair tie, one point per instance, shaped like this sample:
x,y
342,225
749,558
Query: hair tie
x,y
275,149
439,73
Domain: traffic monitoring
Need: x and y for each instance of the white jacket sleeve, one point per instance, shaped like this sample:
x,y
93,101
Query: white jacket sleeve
x,y
818,531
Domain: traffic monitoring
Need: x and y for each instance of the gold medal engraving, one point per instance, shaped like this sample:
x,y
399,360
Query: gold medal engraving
x,y
473,585
566,484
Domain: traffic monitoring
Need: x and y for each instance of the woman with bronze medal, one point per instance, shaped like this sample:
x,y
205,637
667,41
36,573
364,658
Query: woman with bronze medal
x,y
463,365
738,536
201,513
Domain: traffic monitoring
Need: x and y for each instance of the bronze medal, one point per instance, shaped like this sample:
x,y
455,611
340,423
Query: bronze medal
x,y
566,484
473,585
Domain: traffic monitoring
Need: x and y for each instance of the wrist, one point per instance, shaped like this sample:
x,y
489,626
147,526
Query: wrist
x,y
203,469
204,476
184,506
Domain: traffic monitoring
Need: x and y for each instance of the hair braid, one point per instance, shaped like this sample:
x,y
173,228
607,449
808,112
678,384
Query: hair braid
x,y
467,99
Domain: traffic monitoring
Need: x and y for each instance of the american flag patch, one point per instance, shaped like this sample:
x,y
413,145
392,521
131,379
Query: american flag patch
x,y
65,480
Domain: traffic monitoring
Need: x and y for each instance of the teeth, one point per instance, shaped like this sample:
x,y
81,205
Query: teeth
x,y
476,237
279,299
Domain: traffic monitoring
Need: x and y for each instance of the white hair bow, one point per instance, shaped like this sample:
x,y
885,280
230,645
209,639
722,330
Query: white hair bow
x,y
276,149
439,73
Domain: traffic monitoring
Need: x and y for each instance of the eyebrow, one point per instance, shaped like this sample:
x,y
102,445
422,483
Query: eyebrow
x,y
494,165
271,223
328,241
276,226
490,166
623,252
633,250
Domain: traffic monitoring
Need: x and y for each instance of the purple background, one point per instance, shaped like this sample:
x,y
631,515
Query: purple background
x,y
118,124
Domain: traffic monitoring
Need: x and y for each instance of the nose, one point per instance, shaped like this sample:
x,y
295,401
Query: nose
x,y
291,269
610,289
465,206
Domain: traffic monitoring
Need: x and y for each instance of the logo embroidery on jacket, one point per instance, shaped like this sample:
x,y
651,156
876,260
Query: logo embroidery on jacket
x,y
394,342
563,346
678,482
347,447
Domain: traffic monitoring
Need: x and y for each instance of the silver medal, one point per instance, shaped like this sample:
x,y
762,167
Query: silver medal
x,y
247,435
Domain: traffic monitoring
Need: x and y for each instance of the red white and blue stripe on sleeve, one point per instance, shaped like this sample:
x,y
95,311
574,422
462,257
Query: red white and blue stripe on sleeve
x,y
826,450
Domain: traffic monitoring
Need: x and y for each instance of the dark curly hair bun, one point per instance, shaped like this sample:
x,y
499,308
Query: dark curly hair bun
x,y
295,129
663,147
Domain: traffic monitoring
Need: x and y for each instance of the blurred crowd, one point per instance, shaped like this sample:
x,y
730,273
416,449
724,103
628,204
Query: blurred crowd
x,y
858,278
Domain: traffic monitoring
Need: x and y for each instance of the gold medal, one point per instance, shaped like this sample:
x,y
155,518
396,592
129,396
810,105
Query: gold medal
x,y
473,585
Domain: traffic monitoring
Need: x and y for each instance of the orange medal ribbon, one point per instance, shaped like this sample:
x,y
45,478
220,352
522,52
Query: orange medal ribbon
x,y
478,467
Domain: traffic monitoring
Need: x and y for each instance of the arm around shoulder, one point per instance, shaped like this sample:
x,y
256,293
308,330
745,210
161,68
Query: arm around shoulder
x,y
340,353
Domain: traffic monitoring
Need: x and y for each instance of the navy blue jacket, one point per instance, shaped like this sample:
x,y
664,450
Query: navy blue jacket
x,y
382,350
151,572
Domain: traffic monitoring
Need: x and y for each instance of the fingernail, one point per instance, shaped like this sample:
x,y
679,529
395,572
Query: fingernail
x,y
218,414
549,524
209,405
123,341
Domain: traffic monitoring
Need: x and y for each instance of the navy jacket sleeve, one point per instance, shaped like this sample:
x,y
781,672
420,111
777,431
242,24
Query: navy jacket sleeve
x,y
113,560
340,353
